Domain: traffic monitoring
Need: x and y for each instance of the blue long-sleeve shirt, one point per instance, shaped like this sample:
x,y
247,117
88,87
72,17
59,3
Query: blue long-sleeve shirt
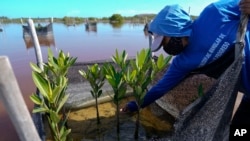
x,y
213,33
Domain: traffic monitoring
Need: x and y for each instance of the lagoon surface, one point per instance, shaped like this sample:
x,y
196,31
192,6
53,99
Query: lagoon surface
x,y
76,40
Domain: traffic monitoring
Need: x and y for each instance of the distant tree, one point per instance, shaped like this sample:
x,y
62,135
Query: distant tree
x,y
105,18
92,19
116,18
66,19
4,17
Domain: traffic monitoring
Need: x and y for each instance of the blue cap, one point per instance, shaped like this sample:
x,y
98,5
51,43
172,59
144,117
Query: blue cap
x,y
171,21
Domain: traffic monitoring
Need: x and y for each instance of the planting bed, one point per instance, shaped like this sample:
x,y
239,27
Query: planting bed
x,y
156,120
155,123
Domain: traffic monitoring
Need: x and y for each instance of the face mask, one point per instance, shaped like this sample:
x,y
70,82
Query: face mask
x,y
174,46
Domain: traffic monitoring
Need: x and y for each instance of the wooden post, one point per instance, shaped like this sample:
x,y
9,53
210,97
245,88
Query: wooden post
x,y
13,101
37,117
37,47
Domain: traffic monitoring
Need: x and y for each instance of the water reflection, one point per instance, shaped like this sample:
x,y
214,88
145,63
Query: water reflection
x,y
44,33
1,28
46,41
116,24
91,26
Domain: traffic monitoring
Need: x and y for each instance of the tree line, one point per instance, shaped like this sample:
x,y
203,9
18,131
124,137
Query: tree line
x,y
78,20
115,18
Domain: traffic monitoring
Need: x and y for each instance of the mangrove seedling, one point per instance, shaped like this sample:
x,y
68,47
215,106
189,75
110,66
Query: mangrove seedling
x,y
96,77
140,75
200,90
115,77
52,83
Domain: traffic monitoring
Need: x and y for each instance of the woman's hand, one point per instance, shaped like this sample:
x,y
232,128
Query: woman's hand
x,y
130,107
124,109
245,6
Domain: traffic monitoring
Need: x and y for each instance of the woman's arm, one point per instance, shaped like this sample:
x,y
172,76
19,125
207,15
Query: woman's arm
x,y
245,6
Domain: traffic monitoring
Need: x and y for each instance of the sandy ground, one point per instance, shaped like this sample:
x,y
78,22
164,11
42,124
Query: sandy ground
x,y
155,122
154,119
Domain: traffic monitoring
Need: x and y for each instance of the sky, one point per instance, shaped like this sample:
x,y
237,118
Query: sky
x,y
93,8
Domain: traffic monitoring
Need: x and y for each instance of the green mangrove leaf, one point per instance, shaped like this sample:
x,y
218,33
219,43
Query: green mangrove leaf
x,y
56,93
60,62
63,81
63,133
50,54
124,56
160,62
35,68
95,70
62,102
41,84
141,98
139,59
122,93
52,125
116,58
146,82
53,62
54,117
92,93
168,59
99,93
101,83
138,91
120,59
163,61
40,110
36,99
133,75
61,55
111,80
72,61
200,90
83,74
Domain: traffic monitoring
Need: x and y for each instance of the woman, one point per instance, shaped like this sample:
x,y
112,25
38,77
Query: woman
x,y
198,45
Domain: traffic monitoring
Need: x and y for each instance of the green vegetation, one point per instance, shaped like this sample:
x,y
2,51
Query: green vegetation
x,y
116,18
78,20
141,18
115,77
52,83
72,20
200,90
140,75
96,77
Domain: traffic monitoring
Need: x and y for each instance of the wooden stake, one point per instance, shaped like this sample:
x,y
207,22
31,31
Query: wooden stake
x,y
13,101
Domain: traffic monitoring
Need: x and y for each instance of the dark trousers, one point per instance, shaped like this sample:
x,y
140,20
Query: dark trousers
x,y
242,115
